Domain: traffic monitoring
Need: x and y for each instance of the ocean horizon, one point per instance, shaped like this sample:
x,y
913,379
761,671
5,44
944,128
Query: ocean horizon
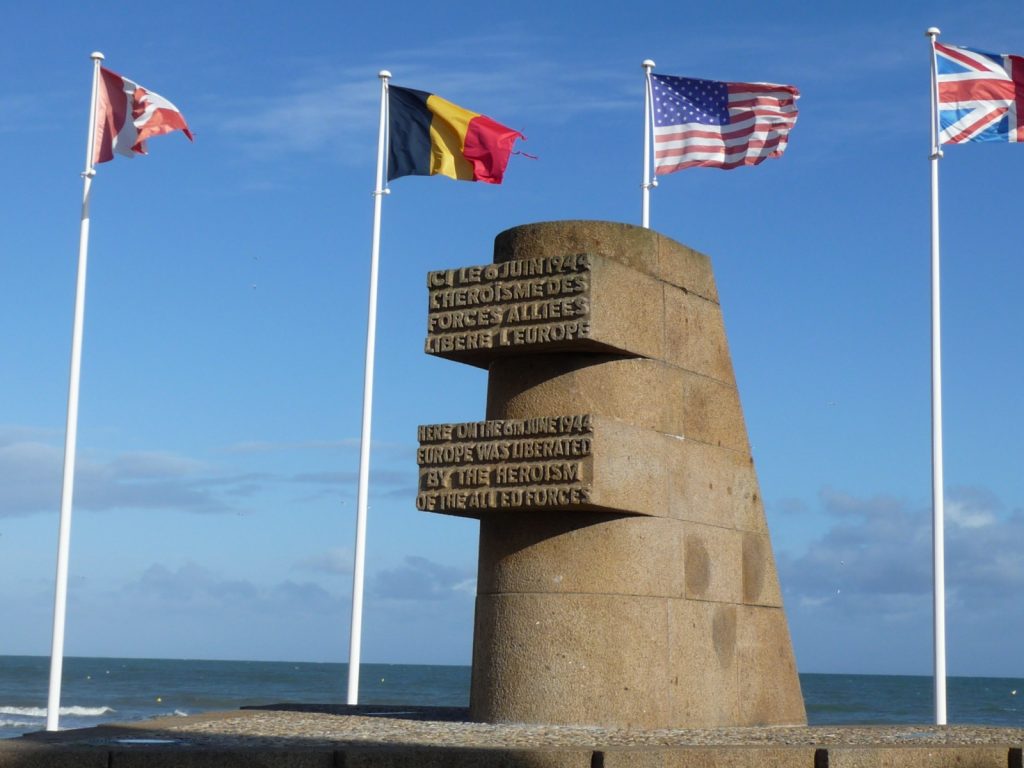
x,y
102,690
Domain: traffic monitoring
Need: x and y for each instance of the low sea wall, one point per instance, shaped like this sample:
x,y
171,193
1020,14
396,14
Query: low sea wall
x,y
302,736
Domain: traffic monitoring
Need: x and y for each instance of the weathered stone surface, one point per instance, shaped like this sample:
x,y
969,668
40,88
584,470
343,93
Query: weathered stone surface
x,y
712,413
176,757
649,393
15,754
767,684
702,663
570,658
711,757
631,389
710,484
287,734
427,757
737,653
641,249
917,757
629,468
695,336
710,556
629,659
614,555
600,554
760,579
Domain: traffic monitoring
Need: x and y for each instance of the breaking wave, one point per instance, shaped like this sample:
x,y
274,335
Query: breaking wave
x,y
68,711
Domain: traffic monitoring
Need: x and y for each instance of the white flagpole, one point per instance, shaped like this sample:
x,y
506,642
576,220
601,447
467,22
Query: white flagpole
x,y
648,182
358,566
60,599
938,515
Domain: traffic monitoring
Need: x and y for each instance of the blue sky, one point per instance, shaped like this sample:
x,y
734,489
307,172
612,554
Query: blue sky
x,y
226,311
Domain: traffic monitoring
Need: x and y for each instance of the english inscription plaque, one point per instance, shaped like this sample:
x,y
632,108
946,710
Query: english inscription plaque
x,y
472,467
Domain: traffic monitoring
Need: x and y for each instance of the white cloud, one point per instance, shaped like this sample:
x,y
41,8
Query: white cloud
x,y
421,579
191,610
860,596
266,446
154,465
31,471
202,592
380,447
881,546
31,468
334,110
790,506
334,560
382,477
29,477
970,512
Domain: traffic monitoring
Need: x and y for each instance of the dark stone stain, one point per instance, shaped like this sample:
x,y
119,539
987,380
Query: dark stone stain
x,y
723,635
697,566
754,557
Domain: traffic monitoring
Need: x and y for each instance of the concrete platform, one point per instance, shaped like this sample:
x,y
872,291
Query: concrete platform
x,y
301,736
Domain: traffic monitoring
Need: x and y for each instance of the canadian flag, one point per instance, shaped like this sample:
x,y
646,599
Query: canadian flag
x,y
127,114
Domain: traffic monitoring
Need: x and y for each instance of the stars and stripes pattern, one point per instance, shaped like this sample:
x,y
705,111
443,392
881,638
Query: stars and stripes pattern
x,y
980,95
714,124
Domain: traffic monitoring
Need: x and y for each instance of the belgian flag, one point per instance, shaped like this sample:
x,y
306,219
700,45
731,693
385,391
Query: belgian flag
x,y
430,135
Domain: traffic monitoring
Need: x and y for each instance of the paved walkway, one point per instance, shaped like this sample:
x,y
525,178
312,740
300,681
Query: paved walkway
x,y
414,736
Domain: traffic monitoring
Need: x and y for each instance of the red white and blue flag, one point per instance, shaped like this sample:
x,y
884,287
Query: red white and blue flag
x,y
714,124
980,95
127,114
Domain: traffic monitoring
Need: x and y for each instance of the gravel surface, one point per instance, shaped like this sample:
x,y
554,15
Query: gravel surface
x,y
415,727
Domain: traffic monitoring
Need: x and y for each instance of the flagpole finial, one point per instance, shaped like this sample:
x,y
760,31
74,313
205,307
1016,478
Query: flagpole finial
x,y
384,74
933,32
647,64
97,56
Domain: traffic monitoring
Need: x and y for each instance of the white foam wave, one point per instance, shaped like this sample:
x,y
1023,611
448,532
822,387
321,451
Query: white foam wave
x,y
179,713
70,711
18,724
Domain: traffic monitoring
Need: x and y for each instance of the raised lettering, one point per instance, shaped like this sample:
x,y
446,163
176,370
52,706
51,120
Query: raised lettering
x,y
523,302
504,464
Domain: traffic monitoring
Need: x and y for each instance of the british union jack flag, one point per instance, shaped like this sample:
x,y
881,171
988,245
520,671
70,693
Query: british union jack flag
x,y
981,95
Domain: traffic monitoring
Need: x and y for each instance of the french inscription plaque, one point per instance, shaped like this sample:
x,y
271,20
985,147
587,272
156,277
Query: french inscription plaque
x,y
488,308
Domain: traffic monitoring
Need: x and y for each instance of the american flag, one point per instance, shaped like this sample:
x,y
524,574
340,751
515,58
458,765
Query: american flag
x,y
981,95
719,125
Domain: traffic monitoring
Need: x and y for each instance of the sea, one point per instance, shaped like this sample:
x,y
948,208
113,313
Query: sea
x,y
100,690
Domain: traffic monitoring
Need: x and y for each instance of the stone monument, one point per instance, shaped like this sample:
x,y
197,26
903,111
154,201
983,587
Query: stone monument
x,y
626,575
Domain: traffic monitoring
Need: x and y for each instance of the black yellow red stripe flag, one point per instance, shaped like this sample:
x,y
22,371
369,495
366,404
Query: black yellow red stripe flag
x,y
420,134
430,135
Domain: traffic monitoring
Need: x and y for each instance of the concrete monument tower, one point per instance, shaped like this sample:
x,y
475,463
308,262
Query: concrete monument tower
x,y
626,575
